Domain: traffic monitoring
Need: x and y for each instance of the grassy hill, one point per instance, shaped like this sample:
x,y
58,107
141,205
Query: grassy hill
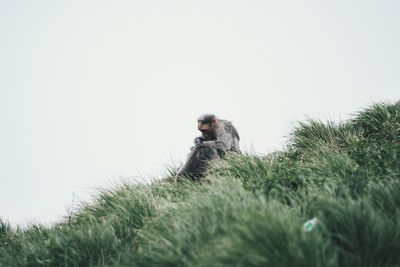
x,y
249,211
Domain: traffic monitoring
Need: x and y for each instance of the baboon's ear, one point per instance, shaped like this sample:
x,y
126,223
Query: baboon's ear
x,y
214,120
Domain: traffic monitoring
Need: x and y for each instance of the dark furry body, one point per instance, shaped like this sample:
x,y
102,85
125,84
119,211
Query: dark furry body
x,y
197,162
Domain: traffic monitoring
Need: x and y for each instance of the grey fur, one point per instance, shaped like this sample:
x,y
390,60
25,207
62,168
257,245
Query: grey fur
x,y
209,146
224,136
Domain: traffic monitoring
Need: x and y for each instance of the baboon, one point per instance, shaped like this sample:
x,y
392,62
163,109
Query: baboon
x,y
197,162
218,137
219,134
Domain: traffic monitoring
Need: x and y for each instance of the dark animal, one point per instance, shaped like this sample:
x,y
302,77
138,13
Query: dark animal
x,y
197,162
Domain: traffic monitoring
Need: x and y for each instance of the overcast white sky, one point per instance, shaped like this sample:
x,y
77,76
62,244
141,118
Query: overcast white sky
x,y
96,91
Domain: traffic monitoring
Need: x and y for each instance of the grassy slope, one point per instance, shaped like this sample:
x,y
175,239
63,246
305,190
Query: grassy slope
x,y
248,212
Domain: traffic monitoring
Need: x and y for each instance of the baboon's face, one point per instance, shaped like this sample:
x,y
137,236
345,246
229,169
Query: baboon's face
x,y
206,123
204,127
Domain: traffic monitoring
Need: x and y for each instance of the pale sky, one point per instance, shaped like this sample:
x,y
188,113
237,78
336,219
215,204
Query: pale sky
x,y
92,92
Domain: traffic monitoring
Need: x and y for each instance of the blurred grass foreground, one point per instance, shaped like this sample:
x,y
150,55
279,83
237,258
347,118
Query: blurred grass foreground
x,y
249,211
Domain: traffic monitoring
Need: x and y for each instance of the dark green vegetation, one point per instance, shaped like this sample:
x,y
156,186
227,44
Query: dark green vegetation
x,y
248,212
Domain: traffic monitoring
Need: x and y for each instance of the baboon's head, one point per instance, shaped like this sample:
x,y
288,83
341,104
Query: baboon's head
x,y
206,123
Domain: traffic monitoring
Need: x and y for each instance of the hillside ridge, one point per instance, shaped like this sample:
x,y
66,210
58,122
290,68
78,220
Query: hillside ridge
x,y
248,211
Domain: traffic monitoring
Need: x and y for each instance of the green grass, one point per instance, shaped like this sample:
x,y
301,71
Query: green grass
x,y
249,210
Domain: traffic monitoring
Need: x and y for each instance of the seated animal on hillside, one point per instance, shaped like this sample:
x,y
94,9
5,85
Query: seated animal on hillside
x,y
218,133
218,138
197,162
